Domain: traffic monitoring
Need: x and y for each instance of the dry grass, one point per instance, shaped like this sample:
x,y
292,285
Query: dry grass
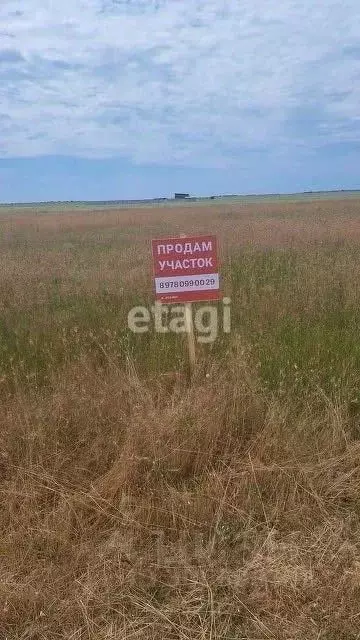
x,y
134,506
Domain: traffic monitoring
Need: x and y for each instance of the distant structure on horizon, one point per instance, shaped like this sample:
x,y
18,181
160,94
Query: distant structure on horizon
x,y
181,196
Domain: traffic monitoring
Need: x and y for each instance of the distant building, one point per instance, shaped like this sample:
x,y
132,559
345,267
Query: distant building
x,y
181,196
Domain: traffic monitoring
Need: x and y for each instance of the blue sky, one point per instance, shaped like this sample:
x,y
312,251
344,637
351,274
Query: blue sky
x,y
111,99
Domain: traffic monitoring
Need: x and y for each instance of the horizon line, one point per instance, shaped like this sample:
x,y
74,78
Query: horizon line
x,y
179,200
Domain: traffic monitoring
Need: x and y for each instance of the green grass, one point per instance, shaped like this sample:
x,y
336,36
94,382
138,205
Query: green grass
x,y
295,309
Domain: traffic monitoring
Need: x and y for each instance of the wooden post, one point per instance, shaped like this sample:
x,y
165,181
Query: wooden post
x,y
189,326
190,337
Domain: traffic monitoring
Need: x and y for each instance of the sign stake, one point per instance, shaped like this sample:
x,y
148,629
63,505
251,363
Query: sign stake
x,y
189,327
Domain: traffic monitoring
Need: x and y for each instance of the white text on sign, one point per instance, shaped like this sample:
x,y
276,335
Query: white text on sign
x,y
186,269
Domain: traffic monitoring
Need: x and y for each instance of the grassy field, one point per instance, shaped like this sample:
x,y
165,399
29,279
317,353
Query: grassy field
x,y
136,506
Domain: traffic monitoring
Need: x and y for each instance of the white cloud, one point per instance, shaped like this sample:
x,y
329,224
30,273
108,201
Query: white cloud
x,y
192,82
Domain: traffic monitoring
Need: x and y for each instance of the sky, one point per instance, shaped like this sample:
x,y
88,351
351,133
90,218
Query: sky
x,y
118,99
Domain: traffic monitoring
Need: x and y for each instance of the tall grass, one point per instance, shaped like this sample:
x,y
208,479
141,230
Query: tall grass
x,y
136,506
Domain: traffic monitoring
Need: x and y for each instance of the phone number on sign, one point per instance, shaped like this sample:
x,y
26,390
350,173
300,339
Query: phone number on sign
x,y
203,282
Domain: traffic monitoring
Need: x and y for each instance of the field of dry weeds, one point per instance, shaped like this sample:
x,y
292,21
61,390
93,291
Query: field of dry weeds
x,y
134,506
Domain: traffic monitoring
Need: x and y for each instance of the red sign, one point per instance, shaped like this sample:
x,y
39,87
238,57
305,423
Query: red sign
x,y
186,269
